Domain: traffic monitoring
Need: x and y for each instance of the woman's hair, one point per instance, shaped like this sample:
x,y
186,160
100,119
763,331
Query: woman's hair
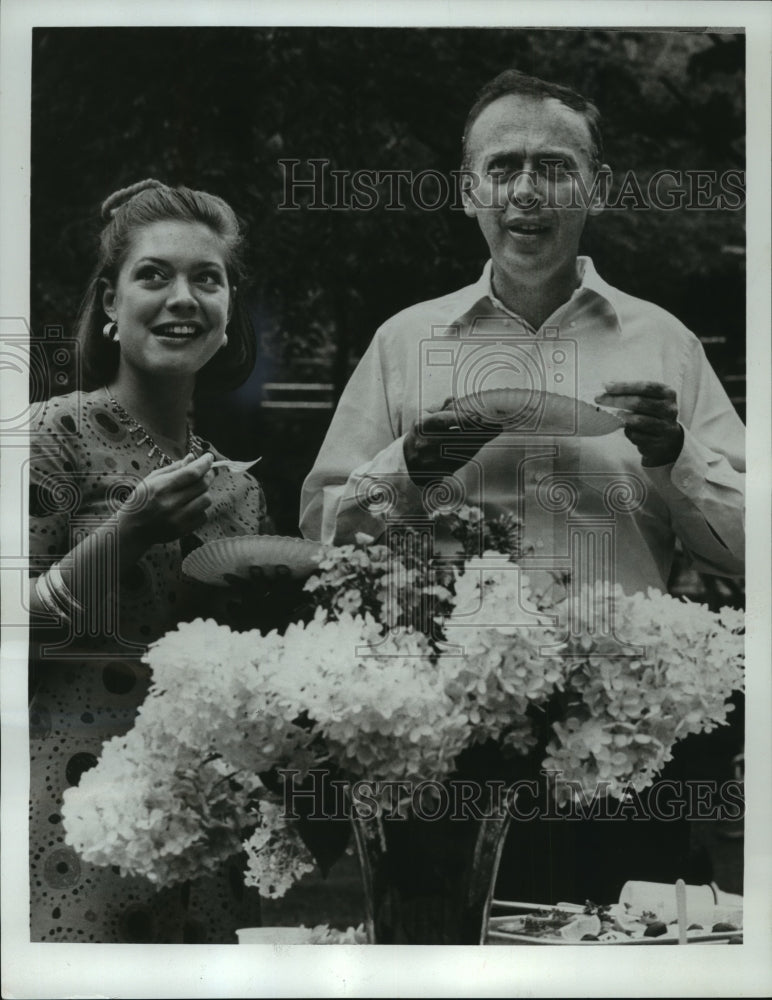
x,y
124,213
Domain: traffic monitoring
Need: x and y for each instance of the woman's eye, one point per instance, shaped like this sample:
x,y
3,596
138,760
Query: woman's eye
x,y
209,278
151,274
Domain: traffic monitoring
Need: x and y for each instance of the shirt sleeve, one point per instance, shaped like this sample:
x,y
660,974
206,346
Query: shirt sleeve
x,y
360,477
705,487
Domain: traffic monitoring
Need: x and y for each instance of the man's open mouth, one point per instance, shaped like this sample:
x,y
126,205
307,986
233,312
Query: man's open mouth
x,y
177,331
527,227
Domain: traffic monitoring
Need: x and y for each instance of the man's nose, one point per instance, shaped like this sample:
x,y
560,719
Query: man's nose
x,y
523,189
180,294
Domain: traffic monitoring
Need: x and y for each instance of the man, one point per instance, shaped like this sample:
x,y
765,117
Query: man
x,y
540,317
607,507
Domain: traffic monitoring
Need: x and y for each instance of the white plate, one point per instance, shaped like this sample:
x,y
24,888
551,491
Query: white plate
x,y
235,556
534,412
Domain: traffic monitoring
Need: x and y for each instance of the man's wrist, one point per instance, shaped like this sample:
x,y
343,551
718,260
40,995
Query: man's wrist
x,y
665,456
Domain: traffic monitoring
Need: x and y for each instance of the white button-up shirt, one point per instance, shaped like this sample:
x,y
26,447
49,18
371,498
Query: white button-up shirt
x,y
586,503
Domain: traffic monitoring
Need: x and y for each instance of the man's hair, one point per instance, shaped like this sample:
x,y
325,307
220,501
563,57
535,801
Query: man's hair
x,y
513,82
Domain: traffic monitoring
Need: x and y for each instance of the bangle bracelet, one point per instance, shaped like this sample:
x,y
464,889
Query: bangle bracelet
x,y
55,596
46,598
62,593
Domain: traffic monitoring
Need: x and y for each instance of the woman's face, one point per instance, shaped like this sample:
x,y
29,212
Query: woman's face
x,y
172,300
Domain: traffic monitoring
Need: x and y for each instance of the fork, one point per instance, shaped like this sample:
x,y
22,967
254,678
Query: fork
x,y
235,465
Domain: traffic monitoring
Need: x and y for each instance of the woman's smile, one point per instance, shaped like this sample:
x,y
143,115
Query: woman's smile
x,y
172,299
177,332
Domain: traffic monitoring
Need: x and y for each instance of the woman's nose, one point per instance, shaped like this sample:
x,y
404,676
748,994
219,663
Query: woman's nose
x,y
180,294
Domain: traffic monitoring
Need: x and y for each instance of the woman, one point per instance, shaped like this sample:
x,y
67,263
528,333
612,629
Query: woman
x,y
121,489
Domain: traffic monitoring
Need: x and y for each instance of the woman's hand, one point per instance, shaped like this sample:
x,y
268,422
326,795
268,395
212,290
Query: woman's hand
x,y
169,503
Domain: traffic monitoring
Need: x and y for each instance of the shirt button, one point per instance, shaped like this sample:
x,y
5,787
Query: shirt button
x,y
572,324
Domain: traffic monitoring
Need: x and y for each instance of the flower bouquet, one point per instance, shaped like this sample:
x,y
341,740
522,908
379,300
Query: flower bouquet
x,y
401,668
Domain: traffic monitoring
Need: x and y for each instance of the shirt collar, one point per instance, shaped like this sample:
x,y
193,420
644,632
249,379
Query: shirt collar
x,y
589,281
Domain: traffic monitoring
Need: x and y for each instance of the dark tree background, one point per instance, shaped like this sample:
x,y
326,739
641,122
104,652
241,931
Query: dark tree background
x,y
217,108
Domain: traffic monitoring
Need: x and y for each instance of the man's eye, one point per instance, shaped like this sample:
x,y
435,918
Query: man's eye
x,y
553,167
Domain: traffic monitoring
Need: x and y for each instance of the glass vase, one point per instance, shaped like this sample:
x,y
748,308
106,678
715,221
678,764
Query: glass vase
x,y
430,879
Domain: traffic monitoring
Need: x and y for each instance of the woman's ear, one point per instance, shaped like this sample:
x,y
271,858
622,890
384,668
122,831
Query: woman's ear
x,y
231,300
108,297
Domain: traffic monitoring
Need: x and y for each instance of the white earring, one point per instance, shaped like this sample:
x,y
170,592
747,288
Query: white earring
x,y
110,331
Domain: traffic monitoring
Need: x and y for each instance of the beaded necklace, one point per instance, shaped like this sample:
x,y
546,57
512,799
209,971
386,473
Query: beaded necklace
x,y
192,443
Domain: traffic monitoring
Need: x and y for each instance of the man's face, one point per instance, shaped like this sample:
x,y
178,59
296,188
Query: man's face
x,y
520,151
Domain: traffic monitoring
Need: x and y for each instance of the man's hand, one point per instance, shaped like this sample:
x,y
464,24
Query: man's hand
x,y
652,421
424,443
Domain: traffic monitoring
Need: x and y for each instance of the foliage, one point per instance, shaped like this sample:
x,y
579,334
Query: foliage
x,y
218,108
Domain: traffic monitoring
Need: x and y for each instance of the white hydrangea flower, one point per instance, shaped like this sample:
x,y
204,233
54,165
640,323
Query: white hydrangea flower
x,y
633,708
178,794
276,856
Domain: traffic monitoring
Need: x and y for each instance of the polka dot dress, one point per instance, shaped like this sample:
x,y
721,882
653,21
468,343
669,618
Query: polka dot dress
x,y
87,688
